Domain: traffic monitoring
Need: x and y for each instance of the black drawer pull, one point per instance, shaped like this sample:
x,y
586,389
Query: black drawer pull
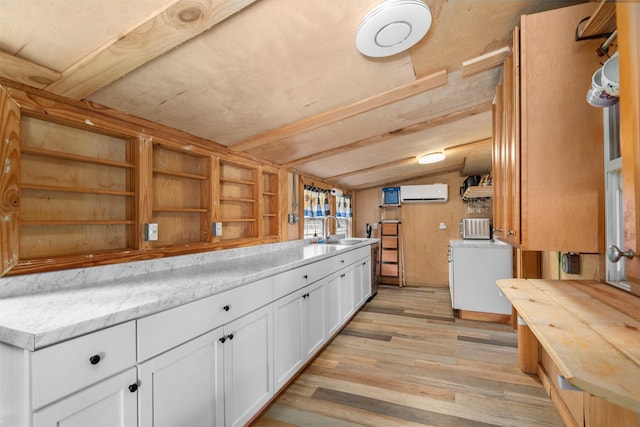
x,y
133,387
222,340
95,359
230,336
226,307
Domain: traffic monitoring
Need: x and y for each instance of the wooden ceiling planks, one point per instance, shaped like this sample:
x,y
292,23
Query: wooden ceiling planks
x,y
281,80
329,117
180,22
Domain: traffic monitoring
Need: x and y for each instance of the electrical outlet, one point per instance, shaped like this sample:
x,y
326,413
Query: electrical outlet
x,y
150,232
217,229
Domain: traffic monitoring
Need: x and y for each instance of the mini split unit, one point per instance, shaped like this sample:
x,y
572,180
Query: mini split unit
x,y
424,193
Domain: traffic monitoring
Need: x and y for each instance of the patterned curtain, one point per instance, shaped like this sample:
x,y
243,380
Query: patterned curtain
x,y
316,202
343,206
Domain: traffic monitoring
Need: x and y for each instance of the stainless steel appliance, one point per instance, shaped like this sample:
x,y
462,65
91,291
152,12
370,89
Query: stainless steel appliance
x,y
375,269
475,228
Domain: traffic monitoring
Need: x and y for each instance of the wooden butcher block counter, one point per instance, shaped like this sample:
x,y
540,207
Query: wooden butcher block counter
x,y
589,330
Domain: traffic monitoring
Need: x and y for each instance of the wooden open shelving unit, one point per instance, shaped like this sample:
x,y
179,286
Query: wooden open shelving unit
x,y
81,184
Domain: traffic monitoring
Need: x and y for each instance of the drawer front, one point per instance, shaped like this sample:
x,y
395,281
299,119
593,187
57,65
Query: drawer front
x,y
389,228
63,368
162,331
389,270
347,258
292,280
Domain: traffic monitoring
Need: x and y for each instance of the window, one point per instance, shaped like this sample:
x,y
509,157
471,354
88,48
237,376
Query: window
x,y
318,205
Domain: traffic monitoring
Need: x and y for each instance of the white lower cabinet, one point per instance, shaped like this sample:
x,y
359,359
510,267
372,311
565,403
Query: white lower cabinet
x,y
213,362
299,329
109,403
248,365
183,387
361,282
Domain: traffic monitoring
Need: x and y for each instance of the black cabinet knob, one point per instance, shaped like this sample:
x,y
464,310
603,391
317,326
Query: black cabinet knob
x,y
230,336
222,340
305,276
95,359
133,387
226,307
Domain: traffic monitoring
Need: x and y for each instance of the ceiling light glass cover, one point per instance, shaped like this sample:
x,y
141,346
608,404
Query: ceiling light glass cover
x,y
393,27
431,158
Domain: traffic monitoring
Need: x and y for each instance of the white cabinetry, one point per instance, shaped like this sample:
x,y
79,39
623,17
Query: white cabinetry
x,y
109,403
299,329
214,361
248,365
184,386
87,378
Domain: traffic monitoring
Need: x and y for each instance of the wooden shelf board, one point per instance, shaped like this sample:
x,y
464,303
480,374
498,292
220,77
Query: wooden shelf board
x,y
187,210
74,157
239,220
236,181
180,174
237,199
478,192
602,22
76,222
59,188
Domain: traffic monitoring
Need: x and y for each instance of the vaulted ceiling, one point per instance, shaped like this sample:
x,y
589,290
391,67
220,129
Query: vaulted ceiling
x,y
280,80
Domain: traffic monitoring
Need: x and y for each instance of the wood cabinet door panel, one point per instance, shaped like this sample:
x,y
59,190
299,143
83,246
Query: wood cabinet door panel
x,y
628,20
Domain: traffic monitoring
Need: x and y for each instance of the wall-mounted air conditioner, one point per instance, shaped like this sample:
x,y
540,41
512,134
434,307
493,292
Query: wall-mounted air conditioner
x,y
424,193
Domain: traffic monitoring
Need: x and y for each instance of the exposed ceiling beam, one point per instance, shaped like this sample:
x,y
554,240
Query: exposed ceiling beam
x,y
367,104
438,121
485,62
23,71
401,162
179,22
398,180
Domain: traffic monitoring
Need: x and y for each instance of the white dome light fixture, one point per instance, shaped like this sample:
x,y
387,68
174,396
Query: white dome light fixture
x,y
393,27
431,158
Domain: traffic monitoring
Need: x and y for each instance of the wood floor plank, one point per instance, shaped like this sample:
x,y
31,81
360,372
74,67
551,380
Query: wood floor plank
x,y
406,360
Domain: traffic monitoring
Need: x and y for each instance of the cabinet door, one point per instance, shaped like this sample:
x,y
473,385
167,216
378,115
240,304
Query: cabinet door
x,y
109,403
248,365
314,318
333,294
358,296
346,295
288,333
561,143
183,387
628,19
366,279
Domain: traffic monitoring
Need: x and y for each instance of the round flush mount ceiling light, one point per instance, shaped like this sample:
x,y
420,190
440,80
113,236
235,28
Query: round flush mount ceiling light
x,y
431,158
393,27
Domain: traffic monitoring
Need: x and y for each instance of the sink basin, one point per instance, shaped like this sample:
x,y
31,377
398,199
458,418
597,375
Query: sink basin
x,y
344,241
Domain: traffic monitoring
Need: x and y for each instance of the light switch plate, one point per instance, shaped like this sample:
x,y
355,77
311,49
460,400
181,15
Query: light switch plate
x,y
217,229
150,232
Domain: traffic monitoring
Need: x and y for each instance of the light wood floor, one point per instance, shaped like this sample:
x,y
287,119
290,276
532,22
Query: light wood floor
x,y
404,360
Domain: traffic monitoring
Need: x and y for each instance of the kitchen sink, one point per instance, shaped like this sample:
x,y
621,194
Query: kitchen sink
x,y
352,241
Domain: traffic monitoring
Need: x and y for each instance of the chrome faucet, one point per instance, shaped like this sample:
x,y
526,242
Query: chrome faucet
x,y
324,226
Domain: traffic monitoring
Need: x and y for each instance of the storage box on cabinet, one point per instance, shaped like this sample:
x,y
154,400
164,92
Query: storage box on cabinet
x,y
162,331
64,368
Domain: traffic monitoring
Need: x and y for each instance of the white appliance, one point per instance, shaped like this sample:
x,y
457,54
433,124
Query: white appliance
x,y
474,267
424,193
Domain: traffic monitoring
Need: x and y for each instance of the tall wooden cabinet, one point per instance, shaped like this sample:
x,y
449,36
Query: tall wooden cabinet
x,y
548,161
628,21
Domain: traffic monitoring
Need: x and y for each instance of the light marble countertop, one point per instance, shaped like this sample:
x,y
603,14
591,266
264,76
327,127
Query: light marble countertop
x,y
38,310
